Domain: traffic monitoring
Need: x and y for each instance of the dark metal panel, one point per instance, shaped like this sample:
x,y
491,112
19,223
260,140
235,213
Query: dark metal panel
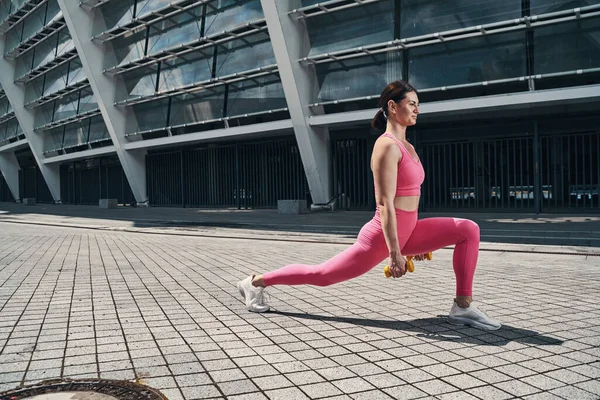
x,y
5,193
351,169
572,161
164,179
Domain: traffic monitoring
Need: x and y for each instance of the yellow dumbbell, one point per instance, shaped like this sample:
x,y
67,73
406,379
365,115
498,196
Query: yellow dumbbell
x,y
410,265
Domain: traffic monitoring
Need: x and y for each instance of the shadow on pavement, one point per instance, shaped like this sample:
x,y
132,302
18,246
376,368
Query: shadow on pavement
x,y
437,328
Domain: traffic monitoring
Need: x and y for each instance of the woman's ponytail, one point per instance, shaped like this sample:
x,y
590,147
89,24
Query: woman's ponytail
x,y
380,120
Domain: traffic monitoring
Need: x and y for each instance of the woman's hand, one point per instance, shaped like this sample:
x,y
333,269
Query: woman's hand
x,y
419,257
397,264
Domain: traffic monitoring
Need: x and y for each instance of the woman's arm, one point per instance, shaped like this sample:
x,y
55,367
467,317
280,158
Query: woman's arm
x,y
386,156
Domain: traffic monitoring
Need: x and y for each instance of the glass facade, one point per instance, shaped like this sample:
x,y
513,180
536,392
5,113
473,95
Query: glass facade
x,y
55,85
443,44
10,130
223,73
191,66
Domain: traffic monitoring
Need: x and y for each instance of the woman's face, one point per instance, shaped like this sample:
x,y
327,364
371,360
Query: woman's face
x,y
405,112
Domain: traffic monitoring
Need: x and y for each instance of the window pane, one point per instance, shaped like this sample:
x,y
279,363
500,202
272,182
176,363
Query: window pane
x,y
53,140
140,81
115,13
98,130
23,64
358,77
34,23
66,107
262,94
151,115
4,106
203,106
53,13
44,114
346,29
185,70
13,129
548,6
420,17
35,88
45,52
231,13
242,55
145,7
76,134
567,47
4,11
55,80
76,73
65,42
13,39
87,102
128,48
172,32
468,61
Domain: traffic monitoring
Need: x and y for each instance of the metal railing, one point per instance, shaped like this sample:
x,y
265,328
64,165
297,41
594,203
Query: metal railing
x,y
65,121
248,175
327,7
83,84
81,183
485,173
40,36
143,21
498,82
203,85
17,15
224,120
179,50
48,66
457,34
33,184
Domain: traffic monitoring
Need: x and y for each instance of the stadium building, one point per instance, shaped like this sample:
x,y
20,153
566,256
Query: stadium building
x,y
241,103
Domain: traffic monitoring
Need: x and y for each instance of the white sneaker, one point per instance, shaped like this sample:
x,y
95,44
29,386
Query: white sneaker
x,y
254,296
472,316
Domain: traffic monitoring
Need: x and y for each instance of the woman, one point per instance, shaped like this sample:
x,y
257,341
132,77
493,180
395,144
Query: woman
x,y
395,230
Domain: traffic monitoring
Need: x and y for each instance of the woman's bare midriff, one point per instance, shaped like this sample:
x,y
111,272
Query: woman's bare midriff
x,y
407,203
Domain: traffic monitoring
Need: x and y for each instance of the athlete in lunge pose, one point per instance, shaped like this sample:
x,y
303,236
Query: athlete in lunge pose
x,y
395,230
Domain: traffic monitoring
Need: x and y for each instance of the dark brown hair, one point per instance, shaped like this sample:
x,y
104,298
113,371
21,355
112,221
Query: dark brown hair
x,y
396,91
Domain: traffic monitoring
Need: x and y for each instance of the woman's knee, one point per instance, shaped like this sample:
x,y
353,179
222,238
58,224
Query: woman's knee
x,y
469,228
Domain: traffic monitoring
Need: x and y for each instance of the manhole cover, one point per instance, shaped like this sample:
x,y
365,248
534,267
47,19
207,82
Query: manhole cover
x,y
91,389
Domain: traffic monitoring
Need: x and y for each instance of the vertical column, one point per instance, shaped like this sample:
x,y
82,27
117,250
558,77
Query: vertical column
x,y
92,55
9,167
537,172
26,117
290,43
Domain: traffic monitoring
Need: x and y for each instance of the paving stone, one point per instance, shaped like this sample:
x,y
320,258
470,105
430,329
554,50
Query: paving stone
x,y
336,373
517,388
286,394
272,382
489,393
200,392
225,375
352,385
405,392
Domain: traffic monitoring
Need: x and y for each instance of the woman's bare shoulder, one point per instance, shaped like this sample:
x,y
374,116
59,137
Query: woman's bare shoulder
x,y
386,145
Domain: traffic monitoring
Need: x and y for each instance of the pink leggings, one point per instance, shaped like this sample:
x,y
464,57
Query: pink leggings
x,y
415,237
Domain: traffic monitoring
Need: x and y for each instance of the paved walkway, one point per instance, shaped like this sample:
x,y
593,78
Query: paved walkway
x,y
162,309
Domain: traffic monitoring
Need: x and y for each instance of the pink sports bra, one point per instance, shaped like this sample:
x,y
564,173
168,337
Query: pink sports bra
x,y
410,172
